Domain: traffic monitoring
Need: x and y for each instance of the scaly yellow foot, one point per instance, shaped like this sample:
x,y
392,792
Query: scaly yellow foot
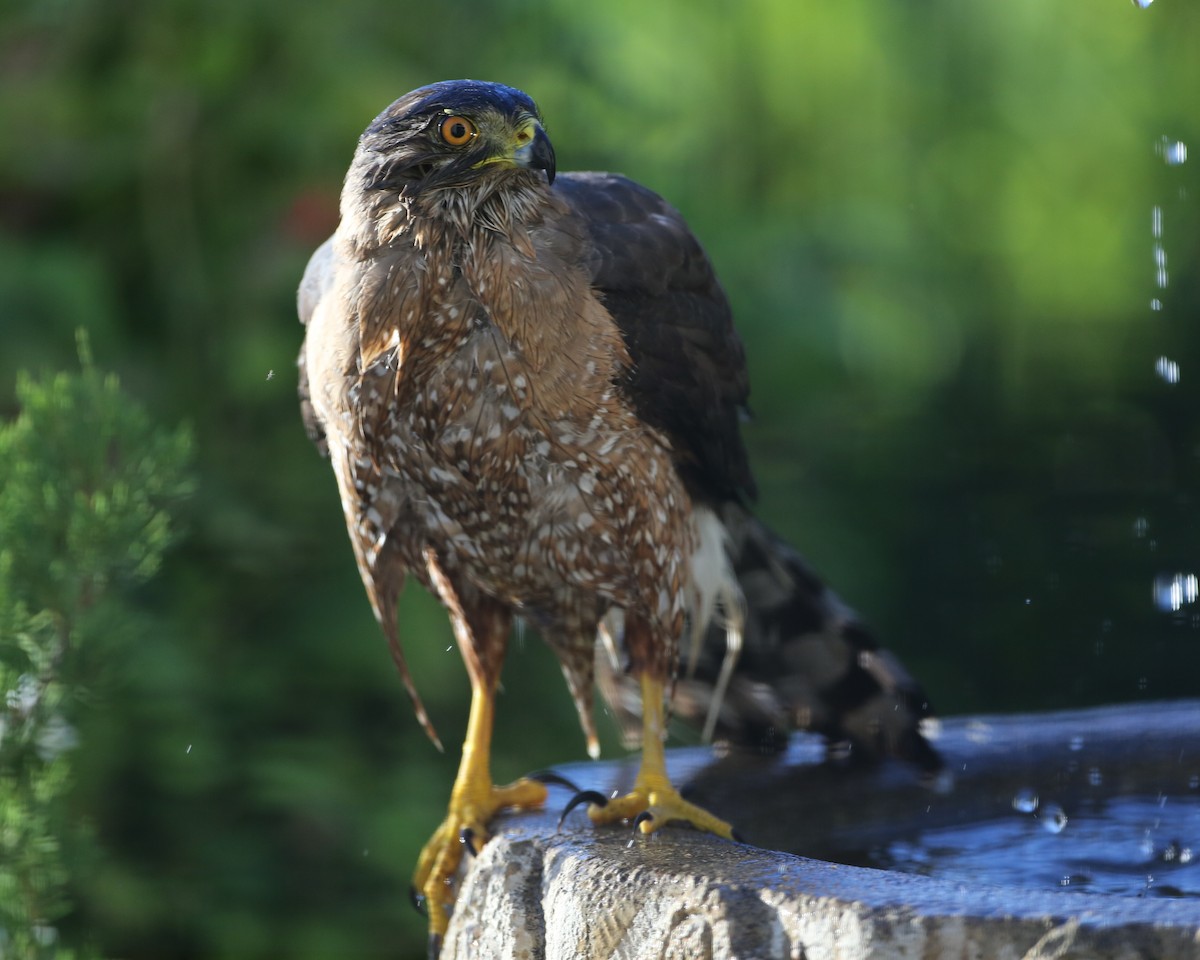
x,y
653,801
474,801
471,809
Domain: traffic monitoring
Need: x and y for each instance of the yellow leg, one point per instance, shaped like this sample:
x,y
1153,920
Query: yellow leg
x,y
652,791
473,802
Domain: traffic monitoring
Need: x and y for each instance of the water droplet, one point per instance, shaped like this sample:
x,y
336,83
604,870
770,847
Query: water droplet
x,y
1173,590
1025,800
1161,276
1185,855
1156,221
189,749
1095,777
1173,152
1076,744
1167,369
1142,4
1194,781
1053,818
1141,526
1156,304
1143,683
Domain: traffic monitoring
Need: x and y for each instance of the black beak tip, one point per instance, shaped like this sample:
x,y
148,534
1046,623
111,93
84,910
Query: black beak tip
x,y
543,155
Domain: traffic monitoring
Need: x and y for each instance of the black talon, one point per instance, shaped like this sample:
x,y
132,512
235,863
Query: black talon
x,y
550,777
466,836
737,837
583,796
417,899
435,946
644,817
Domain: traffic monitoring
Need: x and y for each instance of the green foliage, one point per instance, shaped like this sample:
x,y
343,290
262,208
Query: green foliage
x,y
87,483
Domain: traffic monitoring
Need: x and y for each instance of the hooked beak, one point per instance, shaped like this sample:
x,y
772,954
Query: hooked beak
x,y
536,153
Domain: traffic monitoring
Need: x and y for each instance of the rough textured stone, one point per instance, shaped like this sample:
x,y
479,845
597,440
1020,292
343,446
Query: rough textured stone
x,y
595,894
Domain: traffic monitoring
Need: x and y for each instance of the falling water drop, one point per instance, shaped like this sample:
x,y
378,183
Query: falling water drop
x,y
1162,276
1167,369
1173,590
1025,800
1053,818
1173,152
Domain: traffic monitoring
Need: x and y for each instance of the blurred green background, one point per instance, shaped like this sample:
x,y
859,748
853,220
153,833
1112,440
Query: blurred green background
x,y
962,251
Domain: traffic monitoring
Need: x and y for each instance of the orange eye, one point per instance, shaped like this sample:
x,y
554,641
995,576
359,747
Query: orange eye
x,y
457,131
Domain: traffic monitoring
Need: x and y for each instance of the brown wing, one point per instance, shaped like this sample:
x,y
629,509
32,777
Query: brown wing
x,y
689,369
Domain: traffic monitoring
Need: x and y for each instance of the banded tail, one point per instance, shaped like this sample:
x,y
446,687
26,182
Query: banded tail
x,y
807,663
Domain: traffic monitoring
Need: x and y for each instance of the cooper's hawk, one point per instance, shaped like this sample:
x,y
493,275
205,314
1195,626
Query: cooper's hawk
x,y
530,388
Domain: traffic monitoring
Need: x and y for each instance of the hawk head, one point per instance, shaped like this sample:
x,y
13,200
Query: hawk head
x,y
451,135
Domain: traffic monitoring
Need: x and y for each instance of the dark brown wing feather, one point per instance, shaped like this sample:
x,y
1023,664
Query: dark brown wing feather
x,y
689,369
808,661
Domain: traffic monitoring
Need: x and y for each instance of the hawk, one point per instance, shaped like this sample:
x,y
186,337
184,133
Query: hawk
x,y
530,388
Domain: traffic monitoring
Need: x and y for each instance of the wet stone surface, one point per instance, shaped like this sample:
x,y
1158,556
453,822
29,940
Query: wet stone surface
x,y
584,892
